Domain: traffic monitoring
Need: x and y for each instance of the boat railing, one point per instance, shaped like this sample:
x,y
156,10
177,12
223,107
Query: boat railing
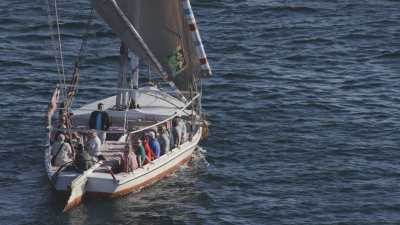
x,y
116,131
152,93
89,87
178,113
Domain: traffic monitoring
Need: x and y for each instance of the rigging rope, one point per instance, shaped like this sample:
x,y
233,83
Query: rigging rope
x,y
53,42
59,42
73,89
82,49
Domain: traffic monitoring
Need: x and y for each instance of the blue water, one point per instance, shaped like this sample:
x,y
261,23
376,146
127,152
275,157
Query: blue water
x,y
304,109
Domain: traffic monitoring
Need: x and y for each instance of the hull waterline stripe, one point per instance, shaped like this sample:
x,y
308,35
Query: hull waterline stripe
x,y
141,185
161,165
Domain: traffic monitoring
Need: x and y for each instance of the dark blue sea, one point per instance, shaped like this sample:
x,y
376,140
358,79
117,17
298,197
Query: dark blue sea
x,y
304,107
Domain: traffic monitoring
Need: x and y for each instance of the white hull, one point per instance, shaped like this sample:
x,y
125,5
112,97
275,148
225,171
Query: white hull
x,y
101,184
98,183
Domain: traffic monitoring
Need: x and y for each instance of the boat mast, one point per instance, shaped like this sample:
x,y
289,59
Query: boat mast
x,y
121,100
135,61
124,96
135,78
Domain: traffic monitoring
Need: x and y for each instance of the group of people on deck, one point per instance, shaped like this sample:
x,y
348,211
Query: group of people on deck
x,y
142,147
150,145
87,152
88,147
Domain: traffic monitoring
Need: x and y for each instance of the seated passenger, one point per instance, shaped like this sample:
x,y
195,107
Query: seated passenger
x,y
93,145
170,134
164,140
176,132
75,138
185,136
141,153
149,151
61,152
133,140
130,161
155,145
179,131
83,159
61,124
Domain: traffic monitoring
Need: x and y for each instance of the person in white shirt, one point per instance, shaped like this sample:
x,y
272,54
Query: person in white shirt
x,y
179,131
176,132
94,144
185,136
164,140
61,152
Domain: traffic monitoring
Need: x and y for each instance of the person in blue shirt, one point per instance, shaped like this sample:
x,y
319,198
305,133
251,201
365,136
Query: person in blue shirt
x,y
154,144
100,121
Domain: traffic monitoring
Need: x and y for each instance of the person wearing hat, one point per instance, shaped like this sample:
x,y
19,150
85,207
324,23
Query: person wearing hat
x,y
61,151
100,121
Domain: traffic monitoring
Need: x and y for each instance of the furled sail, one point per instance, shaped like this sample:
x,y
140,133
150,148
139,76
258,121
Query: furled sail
x,y
159,33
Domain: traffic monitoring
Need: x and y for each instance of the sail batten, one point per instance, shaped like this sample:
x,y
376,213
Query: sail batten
x,y
159,32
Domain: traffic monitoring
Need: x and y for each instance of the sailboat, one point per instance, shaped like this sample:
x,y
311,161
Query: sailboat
x,y
159,34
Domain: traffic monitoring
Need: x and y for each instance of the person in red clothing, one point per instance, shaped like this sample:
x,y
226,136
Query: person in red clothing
x,y
149,151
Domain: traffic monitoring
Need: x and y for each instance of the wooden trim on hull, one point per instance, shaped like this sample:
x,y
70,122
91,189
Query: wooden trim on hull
x,y
141,185
73,204
129,190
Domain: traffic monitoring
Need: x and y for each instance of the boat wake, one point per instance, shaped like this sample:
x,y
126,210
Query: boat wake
x,y
199,155
199,160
